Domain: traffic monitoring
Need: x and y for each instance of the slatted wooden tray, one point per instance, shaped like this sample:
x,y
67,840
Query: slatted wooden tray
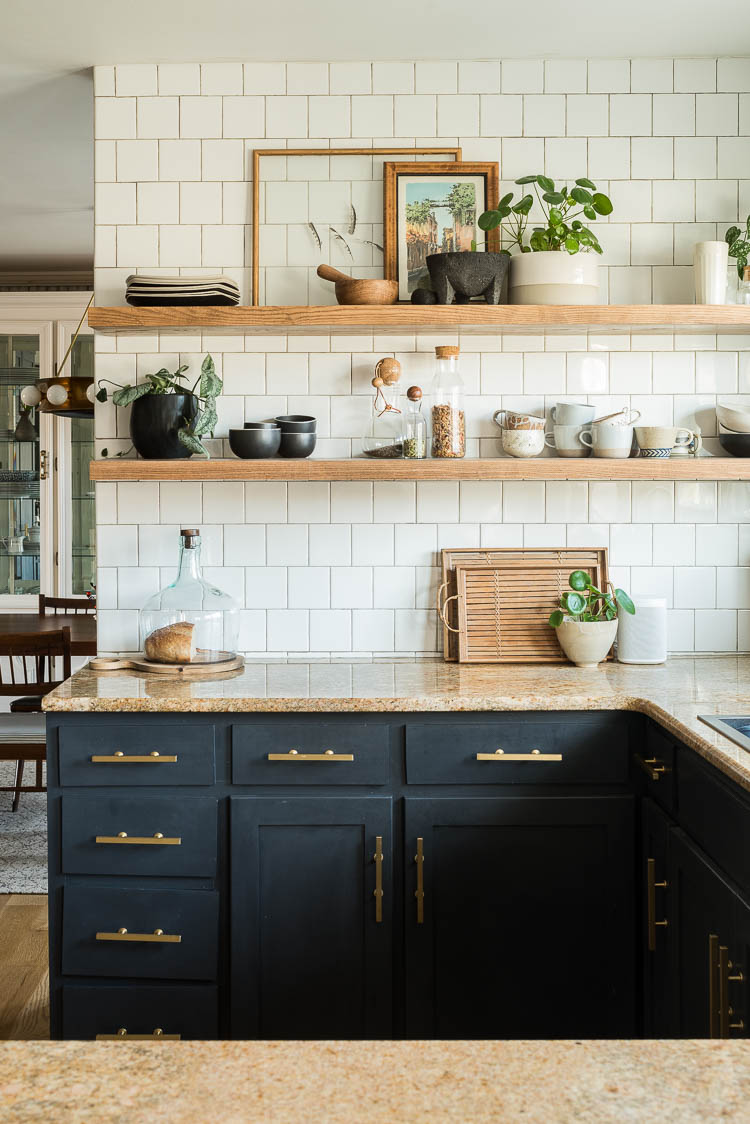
x,y
498,601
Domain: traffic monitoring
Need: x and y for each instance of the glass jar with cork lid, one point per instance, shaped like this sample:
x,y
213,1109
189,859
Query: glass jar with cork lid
x,y
447,405
415,426
385,438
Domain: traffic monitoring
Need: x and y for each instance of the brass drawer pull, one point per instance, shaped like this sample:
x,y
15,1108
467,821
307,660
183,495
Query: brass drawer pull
x,y
378,891
295,755
652,884
419,892
653,767
157,839
726,1010
157,937
156,1034
120,758
535,755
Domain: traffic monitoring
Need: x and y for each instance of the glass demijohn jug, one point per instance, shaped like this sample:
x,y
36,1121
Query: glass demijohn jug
x,y
385,438
448,417
190,598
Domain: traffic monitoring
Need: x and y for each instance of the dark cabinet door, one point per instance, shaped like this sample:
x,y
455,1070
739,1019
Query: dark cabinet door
x,y
735,983
311,938
526,928
656,922
703,908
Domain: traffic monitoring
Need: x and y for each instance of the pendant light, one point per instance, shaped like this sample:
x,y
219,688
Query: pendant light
x,y
66,396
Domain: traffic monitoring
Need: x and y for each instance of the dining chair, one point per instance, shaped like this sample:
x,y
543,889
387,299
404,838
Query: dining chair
x,y
29,663
66,605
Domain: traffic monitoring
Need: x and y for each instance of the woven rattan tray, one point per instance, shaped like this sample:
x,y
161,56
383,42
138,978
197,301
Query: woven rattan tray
x,y
494,604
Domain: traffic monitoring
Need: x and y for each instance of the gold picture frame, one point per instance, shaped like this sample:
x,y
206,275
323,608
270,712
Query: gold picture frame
x,y
259,153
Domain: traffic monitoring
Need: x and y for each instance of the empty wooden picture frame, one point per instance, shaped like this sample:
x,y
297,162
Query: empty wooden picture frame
x,y
303,219
433,210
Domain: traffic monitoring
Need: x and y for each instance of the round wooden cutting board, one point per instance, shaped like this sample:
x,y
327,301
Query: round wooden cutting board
x,y
178,670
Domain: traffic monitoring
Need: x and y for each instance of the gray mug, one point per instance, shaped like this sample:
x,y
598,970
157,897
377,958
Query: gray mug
x,y
572,413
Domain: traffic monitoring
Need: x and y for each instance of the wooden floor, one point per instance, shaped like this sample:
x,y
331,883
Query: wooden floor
x,y
24,976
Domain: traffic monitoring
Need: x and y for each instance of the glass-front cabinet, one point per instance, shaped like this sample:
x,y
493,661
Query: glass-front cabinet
x,y
47,518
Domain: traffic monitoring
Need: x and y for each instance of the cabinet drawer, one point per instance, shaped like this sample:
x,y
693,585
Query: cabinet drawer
x,y
310,753
653,763
91,1010
716,813
589,748
189,917
112,834
137,753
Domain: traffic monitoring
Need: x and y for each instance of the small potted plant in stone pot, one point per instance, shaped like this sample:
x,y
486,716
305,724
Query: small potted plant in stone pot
x,y
168,420
558,264
586,622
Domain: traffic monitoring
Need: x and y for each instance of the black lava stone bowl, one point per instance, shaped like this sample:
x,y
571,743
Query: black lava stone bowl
x,y
255,443
738,444
297,423
297,444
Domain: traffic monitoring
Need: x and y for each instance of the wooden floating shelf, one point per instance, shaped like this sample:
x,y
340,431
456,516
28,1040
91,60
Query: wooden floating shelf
x,y
471,468
477,319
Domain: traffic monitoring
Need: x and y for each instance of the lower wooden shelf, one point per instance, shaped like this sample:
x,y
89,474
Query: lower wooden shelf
x,y
470,468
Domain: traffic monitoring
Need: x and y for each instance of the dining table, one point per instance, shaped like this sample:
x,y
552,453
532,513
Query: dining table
x,y
82,628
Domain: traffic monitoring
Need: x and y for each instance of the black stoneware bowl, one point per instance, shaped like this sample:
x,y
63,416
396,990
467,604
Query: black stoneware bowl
x,y
262,425
738,444
297,423
252,444
297,444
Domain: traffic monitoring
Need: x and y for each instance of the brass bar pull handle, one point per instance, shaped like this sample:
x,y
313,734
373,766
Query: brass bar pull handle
x,y
295,755
714,1030
419,892
653,767
120,758
652,884
156,1034
378,891
157,839
726,1010
157,937
535,755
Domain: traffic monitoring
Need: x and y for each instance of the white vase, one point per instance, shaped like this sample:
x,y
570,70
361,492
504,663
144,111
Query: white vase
x,y
586,643
710,272
554,277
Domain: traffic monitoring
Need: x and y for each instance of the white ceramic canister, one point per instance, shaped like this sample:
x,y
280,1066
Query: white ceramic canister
x,y
710,272
554,277
642,636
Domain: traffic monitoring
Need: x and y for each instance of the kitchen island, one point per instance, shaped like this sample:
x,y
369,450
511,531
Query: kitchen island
x,y
394,849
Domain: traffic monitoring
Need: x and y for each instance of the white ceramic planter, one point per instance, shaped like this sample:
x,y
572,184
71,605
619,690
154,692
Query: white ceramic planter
x,y
586,644
554,277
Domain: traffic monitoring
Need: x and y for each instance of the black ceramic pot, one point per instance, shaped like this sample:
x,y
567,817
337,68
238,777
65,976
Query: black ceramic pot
x,y
154,422
469,275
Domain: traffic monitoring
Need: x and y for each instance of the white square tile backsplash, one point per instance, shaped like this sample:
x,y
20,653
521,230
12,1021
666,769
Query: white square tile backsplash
x,y
353,567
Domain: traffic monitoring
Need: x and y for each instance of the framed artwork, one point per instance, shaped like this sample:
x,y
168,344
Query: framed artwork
x,y
320,206
433,209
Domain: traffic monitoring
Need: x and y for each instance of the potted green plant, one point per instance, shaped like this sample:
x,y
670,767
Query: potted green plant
x,y
738,242
557,265
586,622
168,419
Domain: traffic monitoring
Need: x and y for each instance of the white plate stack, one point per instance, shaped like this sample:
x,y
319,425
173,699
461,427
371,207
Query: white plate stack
x,y
142,290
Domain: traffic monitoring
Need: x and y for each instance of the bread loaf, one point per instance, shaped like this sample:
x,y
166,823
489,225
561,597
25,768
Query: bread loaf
x,y
172,644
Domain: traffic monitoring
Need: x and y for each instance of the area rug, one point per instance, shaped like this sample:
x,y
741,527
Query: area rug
x,y
23,838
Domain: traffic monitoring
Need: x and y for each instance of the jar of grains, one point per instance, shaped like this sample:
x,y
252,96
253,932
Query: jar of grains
x,y
447,413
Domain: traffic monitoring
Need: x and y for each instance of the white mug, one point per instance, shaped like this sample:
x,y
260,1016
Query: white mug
x,y
523,442
566,441
572,413
625,416
613,441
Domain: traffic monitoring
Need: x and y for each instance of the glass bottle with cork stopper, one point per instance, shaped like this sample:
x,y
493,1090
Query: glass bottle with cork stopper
x,y
743,288
447,401
415,426
386,437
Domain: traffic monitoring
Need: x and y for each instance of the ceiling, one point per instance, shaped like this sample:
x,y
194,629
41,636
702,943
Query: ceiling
x,y
80,33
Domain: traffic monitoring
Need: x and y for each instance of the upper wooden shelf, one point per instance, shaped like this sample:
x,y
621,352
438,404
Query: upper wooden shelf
x,y
479,319
471,468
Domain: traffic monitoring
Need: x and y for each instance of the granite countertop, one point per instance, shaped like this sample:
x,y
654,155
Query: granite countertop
x,y
375,1082
674,693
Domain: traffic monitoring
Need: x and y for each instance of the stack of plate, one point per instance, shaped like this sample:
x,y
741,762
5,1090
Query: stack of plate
x,y
145,290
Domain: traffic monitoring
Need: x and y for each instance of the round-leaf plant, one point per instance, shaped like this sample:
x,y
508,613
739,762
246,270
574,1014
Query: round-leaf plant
x,y
587,604
563,228
738,242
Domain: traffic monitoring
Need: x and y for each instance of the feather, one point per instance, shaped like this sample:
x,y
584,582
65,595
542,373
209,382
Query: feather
x,y
352,221
315,235
375,245
341,238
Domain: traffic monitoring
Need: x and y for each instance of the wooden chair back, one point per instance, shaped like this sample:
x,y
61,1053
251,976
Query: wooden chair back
x,y
29,666
66,605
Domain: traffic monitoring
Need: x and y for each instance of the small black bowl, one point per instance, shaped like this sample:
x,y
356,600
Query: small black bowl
x,y
297,423
262,425
297,444
738,444
254,444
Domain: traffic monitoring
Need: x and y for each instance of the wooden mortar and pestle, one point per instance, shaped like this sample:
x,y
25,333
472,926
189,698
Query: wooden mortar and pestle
x,y
353,290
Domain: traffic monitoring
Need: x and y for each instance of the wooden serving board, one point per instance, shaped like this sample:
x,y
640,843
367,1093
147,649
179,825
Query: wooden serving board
x,y
177,670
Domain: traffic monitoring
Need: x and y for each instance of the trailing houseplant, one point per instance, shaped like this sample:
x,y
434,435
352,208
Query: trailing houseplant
x,y
738,241
168,419
586,622
560,277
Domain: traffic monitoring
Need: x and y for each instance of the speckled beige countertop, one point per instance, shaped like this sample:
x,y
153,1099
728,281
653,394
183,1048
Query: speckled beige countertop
x,y
374,1082
674,694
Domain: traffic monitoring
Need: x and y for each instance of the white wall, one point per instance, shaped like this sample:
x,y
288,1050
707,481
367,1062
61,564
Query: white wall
x,y
338,568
